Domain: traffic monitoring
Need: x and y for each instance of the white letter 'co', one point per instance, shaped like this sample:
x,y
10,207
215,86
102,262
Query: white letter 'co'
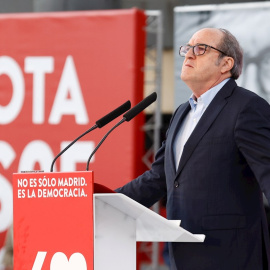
x,y
60,261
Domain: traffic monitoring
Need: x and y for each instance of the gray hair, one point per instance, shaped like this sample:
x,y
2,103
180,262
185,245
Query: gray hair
x,y
231,47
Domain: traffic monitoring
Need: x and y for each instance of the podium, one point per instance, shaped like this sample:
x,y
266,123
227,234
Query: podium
x,y
61,223
120,221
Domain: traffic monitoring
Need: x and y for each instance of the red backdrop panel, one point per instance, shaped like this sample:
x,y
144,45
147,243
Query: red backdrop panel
x,y
59,73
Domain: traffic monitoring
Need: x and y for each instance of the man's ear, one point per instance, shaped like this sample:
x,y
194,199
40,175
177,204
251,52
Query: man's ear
x,y
227,64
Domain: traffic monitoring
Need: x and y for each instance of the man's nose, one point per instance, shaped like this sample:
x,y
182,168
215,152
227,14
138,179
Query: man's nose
x,y
190,53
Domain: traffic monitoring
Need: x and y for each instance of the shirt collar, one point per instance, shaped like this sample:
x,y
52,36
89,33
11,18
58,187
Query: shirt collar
x,y
206,97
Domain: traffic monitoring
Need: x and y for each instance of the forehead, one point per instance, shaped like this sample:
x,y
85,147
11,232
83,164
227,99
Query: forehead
x,y
210,36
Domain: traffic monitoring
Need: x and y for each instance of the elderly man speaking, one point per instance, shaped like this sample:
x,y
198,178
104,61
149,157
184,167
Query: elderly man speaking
x,y
215,162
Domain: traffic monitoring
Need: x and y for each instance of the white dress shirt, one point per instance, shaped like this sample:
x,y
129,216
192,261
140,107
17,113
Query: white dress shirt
x,y
198,107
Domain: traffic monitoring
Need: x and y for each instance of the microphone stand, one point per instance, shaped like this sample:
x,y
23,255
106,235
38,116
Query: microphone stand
x,y
66,148
103,139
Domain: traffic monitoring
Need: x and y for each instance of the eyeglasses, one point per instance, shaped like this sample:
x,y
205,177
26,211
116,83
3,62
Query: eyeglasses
x,y
198,49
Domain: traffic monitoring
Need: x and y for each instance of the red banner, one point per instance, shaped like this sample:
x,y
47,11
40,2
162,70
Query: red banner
x,y
59,73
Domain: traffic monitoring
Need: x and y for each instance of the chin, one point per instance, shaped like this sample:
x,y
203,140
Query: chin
x,y
184,77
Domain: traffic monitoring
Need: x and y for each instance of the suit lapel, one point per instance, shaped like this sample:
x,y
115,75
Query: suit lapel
x,y
210,114
175,125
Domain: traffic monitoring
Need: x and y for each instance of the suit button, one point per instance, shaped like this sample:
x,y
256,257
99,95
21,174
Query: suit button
x,y
176,184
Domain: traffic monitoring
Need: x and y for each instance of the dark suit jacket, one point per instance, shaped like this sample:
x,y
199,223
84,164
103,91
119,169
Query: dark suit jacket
x,y
217,189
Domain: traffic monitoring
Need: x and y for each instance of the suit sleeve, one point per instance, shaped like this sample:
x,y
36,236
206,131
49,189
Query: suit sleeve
x,y
149,187
252,133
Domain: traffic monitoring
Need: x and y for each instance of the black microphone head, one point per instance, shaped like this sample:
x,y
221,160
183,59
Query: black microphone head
x,y
114,114
140,106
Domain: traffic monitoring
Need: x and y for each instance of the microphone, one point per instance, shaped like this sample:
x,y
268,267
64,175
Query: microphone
x,y
114,114
99,124
140,106
126,117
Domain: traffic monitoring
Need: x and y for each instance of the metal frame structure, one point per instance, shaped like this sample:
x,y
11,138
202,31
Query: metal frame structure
x,y
153,66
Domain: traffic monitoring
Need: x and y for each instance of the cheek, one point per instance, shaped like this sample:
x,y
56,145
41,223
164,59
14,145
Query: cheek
x,y
208,70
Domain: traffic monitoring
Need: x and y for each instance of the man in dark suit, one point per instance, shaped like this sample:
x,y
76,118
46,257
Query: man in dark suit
x,y
215,162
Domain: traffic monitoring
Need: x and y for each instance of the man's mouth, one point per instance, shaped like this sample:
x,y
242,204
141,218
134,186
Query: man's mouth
x,y
188,65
